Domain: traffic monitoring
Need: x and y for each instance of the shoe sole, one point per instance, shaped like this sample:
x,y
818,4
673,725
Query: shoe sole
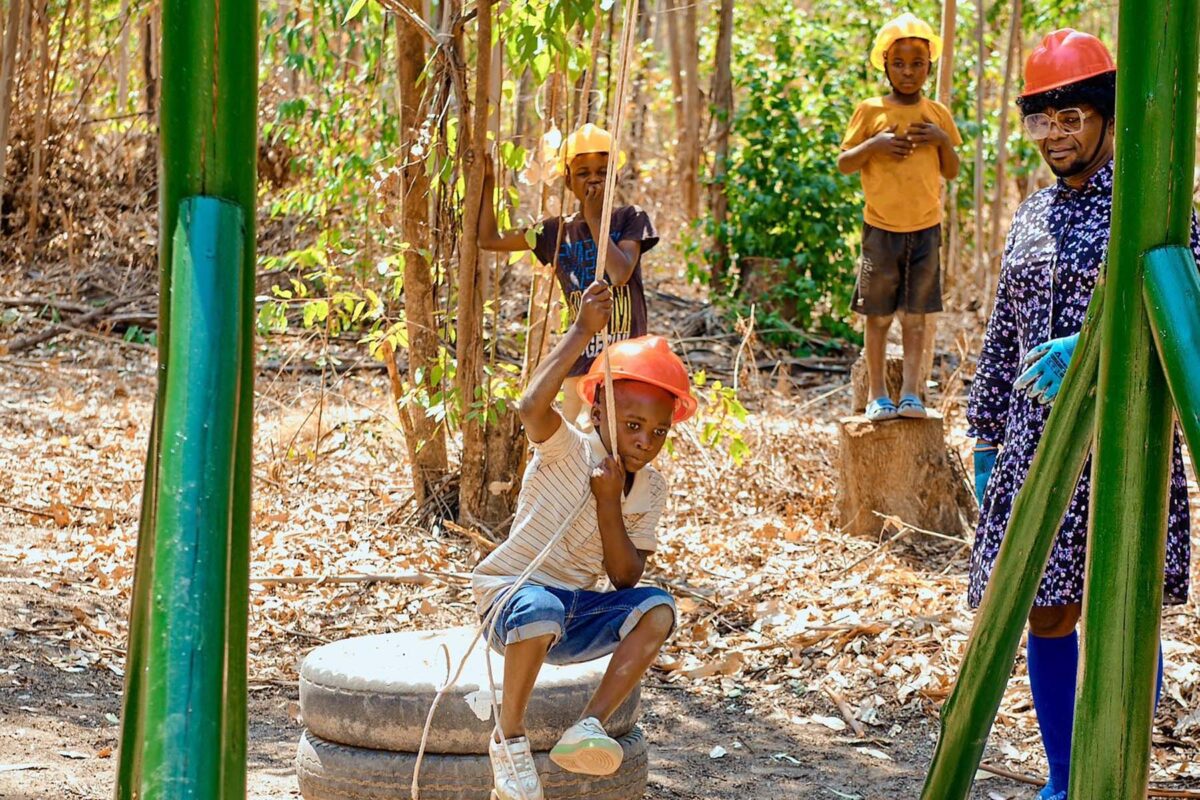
x,y
588,758
496,796
913,413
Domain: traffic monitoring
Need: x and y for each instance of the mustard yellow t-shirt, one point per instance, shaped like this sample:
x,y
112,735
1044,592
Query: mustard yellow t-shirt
x,y
902,194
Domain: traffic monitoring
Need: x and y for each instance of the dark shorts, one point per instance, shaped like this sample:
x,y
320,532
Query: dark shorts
x,y
899,271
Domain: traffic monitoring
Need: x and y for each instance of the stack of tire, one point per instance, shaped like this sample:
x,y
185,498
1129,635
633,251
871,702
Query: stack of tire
x,y
364,701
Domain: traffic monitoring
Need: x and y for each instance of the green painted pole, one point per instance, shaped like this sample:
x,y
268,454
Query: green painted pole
x,y
1036,516
1172,294
185,685
208,146
1156,128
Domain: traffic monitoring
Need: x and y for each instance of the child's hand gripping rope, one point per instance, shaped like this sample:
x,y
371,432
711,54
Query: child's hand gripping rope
x,y
1046,366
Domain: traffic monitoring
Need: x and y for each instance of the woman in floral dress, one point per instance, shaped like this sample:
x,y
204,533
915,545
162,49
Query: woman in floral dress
x,y
1052,259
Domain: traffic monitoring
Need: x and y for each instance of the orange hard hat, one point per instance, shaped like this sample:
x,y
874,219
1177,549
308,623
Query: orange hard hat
x,y
1064,57
648,359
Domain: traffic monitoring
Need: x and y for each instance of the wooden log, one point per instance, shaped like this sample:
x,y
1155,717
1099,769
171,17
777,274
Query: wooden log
x,y
901,468
893,377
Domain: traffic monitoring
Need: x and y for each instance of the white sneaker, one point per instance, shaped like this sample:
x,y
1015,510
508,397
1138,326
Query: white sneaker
x,y
514,774
585,748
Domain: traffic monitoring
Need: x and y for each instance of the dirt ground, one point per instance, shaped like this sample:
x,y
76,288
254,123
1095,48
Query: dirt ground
x,y
781,608
59,727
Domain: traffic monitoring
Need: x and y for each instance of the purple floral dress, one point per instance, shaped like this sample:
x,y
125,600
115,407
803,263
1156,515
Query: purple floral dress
x,y
1052,259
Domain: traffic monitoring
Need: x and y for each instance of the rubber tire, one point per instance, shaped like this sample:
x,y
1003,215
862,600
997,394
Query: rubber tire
x,y
329,771
375,692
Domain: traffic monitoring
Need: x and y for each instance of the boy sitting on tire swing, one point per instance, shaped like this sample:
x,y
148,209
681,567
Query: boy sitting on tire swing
x,y
555,617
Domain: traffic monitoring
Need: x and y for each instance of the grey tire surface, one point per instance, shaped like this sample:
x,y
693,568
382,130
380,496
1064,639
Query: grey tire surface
x,y
329,771
375,692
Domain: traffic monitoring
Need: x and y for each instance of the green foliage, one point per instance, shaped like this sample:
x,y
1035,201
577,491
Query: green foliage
x,y
787,200
720,418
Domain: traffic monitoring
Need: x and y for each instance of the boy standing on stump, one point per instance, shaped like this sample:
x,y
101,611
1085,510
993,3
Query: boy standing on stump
x,y
903,143
555,617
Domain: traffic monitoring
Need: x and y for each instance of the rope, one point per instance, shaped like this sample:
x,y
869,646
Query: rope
x,y
629,32
504,597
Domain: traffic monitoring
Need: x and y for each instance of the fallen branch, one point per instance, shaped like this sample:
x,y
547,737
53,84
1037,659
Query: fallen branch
x,y
45,302
1012,776
846,713
485,544
54,331
408,578
304,368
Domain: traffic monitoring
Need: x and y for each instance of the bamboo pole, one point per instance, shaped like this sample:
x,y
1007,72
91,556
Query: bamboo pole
x,y
1122,607
1036,516
208,136
1172,294
186,700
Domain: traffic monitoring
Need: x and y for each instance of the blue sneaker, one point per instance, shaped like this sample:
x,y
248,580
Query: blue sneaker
x,y
1048,793
911,407
881,409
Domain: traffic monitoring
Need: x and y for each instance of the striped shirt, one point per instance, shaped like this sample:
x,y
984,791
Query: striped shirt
x,y
558,475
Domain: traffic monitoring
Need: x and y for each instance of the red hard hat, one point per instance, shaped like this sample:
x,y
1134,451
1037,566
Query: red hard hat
x,y
1064,57
648,359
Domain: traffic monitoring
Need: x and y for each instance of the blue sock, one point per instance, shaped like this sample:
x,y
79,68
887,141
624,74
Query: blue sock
x,y
1053,664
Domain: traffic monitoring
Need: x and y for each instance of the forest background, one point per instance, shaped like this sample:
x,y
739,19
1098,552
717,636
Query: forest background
x,y
391,349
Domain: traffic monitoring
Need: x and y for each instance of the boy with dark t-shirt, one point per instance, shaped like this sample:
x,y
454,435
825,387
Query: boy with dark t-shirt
x,y
587,163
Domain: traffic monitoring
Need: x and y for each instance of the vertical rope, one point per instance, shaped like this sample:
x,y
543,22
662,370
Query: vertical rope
x,y
628,31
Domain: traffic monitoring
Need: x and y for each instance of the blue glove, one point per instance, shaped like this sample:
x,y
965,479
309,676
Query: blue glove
x,y
985,461
1045,367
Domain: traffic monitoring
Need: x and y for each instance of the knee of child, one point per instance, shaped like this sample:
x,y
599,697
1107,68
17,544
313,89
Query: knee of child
x,y
1053,622
912,322
660,621
880,321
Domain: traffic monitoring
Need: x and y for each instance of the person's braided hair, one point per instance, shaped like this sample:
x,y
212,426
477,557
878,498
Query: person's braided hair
x,y
1098,91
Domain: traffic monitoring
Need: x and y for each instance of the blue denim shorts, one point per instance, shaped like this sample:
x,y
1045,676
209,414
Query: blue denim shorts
x,y
585,625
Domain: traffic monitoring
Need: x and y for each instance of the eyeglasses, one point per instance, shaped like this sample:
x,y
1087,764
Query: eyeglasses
x,y
1068,121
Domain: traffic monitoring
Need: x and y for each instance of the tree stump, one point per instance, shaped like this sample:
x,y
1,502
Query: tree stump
x,y
901,468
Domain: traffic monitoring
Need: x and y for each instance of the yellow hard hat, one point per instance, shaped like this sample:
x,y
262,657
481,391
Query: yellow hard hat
x,y
588,139
905,26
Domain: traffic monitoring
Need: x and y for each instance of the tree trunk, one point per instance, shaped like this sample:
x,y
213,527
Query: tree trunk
x,y
83,59
994,246
583,103
608,65
429,437
41,120
473,128
11,44
149,61
670,9
123,59
690,162
502,435
949,254
980,243
640,106
722,110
